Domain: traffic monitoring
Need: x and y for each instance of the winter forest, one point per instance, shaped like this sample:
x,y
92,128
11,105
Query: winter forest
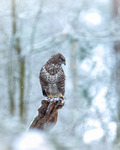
x,y
87,33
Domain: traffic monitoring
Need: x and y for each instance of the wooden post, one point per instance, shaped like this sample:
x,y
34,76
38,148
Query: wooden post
x,y
47,114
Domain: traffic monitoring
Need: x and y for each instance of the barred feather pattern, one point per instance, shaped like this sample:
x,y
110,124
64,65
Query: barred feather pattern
x,y
52,79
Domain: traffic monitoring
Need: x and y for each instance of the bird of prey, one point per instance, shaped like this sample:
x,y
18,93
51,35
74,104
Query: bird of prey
x,y
52,77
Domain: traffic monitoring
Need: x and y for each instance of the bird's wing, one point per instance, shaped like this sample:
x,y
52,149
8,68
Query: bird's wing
x,y
61,83
43,82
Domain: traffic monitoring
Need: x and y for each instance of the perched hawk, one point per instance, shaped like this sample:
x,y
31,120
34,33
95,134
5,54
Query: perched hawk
x,y
52,77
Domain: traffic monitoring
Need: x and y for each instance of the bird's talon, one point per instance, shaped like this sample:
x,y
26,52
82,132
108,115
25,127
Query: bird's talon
x,y
50,96
61,96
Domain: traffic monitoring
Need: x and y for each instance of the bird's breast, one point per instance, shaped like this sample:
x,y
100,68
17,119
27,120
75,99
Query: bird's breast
x,y
50,78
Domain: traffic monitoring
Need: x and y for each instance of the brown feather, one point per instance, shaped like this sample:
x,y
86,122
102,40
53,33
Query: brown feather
x,y
61,83
52,77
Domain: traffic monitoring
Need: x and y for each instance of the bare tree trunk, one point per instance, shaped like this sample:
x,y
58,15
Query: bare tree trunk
x,y
117,72
22,86
13,17
10,70
73,64
11,84
21,78
116,5
16,46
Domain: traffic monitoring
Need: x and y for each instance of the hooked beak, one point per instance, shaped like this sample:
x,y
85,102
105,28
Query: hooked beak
x,y
64,62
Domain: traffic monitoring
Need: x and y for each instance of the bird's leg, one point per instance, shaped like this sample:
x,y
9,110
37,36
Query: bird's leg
x,y
50,96
61,96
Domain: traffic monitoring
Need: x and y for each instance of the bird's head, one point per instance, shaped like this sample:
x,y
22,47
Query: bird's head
x,y
59,59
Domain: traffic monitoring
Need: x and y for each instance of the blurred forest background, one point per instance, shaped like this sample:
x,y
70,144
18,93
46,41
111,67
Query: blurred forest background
x,y
88,35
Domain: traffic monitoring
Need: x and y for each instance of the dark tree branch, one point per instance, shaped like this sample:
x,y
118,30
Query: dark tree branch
x,y
47,114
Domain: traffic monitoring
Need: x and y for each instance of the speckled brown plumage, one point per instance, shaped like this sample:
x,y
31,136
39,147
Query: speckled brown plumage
x,y
52,77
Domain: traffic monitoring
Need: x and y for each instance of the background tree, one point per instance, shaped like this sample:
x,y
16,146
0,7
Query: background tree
x,y
87,34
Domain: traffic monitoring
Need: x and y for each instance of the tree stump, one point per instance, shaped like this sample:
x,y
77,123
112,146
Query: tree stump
x,y
47,114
